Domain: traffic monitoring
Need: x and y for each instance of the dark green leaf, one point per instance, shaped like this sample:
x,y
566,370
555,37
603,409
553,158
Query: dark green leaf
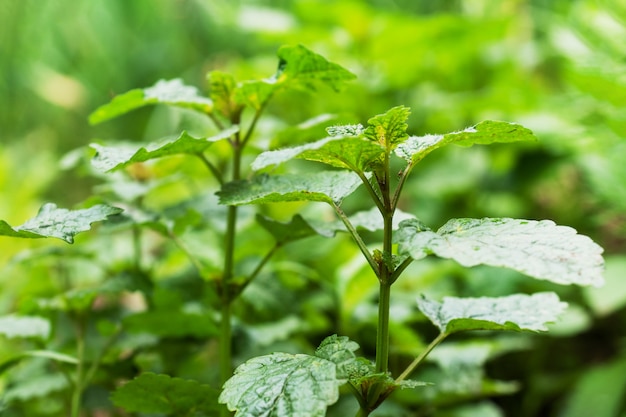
x,y
540,249
389,129
59,223
110,158
300,66
297,228
152,393
416,148
514,312
328,186
24,326
353,153
172,92
282,385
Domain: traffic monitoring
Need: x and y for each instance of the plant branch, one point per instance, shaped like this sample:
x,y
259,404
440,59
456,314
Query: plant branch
x,y
421,357
79,383
403,176
260,266
357,238
398,271
216,173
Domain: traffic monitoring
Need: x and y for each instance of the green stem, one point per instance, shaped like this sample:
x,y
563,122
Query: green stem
x,y
403,176
260,266
382,334
421,357
398,271
357,238
216,173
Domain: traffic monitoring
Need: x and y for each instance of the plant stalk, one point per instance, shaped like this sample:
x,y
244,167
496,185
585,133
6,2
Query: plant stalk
x,y
79,383
421,357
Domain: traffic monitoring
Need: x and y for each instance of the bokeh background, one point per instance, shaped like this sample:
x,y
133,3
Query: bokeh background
x,y
557,67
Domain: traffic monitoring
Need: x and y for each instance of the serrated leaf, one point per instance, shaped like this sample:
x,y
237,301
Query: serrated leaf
x,y
353,153
389,129
172,92
223,89
153,393
256,93
540,249
340,350
282,385
297,228
327,186
516,312
59,223
166,323
24,326
416,148
110,158
300,66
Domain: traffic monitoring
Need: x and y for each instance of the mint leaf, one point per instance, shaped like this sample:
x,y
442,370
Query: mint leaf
x,y
299,66
514,312
110,158
24,326
389,129
282,385
172,92
540,249
328,186
415,148
354,153
340,350
152,393
224,89
59,223
256,93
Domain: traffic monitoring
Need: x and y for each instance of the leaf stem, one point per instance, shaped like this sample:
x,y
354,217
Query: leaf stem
x,y
421,357
357,238
260,266
403,176
79,382
216,173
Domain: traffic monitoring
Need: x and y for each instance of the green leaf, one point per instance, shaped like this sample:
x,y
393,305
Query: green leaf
x,y
166,323
282,385
297,228
389,129
540,249
47,354
59,223
340,350
153,393
299,66
110,158
24,326
256,93
223,89
172,92
328,186
354,153
517,312
416,148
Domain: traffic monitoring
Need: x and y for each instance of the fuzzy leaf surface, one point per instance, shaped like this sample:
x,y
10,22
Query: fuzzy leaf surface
x,y
389,129
518,312
59,223
416,148
540,249
282,385
340,350
173,92
24,326
158,393
111,158
354,153
327,186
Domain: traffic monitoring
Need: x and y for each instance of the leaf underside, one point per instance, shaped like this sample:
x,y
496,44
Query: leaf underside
x,y
329,187
540,249
24,326
59,223
519,312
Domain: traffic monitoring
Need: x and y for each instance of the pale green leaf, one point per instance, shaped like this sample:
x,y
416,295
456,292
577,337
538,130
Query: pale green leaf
x,y
540,249
345,130
282,385
110,158
59,223
172,92
47,354
328,186
340,350
611,297
24,326
299,66
38,386
255,93
354,153
224,89
517,312
154,393
416,148
389,129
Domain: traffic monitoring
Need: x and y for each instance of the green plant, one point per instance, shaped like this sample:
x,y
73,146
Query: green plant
x,y
281,384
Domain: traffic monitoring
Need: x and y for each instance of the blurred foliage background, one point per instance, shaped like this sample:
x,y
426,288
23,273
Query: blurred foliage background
x,y
557,67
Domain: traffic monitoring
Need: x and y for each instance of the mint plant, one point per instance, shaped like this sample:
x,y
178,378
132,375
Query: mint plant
x,y
211,237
